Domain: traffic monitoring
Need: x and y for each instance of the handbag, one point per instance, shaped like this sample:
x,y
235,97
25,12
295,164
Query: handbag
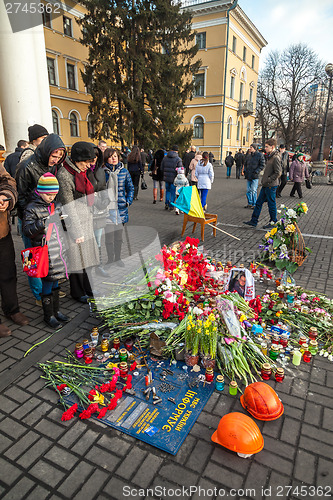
x,y
35,260
308,184
143,184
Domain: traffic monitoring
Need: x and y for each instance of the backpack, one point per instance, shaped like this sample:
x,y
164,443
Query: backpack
x,y
229,161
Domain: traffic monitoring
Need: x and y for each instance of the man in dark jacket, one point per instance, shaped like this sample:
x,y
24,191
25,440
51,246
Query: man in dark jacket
x,y
48,155
270,182
255,162
188,157
168,166
10,307
239,159
36,134
13,159
229,161
285,169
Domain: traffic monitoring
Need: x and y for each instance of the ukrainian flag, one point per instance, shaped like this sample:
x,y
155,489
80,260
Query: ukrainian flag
x,y
189,202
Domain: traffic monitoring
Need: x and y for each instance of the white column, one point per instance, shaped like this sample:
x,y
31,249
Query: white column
x,y
20,93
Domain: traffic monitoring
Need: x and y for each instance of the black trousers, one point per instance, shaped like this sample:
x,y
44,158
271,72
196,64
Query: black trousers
x,y
238,171
283,182
113,243
8,277
79,285
135,176
297,187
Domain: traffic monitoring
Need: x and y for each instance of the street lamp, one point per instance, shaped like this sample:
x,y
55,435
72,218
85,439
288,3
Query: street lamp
x,y
329,71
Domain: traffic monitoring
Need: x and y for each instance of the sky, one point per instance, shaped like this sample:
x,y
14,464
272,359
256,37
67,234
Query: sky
x,y
285,22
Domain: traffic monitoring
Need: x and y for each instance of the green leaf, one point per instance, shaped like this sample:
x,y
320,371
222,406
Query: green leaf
x,y
308,249
276,242
280,263
158,303
291,267
130,305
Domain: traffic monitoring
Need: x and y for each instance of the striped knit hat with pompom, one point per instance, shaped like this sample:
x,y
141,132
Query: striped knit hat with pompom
x,y
47,184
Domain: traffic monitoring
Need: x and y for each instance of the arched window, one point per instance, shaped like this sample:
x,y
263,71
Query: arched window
x,y
229,123
198,128
74,124
238,130
55,122
248,128
91,128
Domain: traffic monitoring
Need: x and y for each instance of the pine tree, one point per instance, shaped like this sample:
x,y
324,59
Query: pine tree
x,y
140,70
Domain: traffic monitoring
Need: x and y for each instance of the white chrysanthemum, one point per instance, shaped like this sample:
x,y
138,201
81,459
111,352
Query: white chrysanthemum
x,y
291,213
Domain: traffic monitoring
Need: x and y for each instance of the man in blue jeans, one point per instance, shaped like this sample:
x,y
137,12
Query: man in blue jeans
x,y
270,182
254,164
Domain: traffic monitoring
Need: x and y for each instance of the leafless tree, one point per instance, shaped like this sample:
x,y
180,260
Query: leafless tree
x,y
283,91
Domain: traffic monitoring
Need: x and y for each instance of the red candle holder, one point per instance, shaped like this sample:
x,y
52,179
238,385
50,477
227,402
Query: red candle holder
x,y
307,356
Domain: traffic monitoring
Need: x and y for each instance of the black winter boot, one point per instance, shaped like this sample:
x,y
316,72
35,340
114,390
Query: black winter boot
x,y
59,316
49,318
100,271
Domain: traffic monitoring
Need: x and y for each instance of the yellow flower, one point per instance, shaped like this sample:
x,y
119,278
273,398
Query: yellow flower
x,y
273,231
290,228
278,314
242,318
267,235
305,207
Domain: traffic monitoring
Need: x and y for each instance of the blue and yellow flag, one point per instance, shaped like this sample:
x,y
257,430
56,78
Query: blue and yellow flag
x,y
189,202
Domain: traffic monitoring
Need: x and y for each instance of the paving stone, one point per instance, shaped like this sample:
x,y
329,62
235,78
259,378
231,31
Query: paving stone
x,y
277,485
256,480
291,411
147,471
19,490
39,493
34,452
61,457
268,458
201,431
72,434
223,406
279,447
119,489
76,479
315,446
49,429
329,379
46,473
313,413
324,474
134,458
290,430
199,456
209,406
85,442
224,476
26,408
9,473
321,389
318,375
273,428
210,421
293,401
92,486
100,457
222,456
114,444
328,419
305,467
21,445
12,428
185,450
17,394
319,434
5,442
204,490
300,388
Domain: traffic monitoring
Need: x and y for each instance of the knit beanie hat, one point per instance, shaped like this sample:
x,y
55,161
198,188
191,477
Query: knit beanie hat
x,y
36,131
83,151
47,184
180,170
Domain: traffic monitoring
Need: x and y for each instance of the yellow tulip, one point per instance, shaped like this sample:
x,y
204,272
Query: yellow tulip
x,y
273,231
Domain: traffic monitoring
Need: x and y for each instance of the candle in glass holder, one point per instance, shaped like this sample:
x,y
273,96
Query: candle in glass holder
x,y
116,343
279,374
313,347
264,348
123,369
219,383
313,333
233,388
297,356
85,344
274,352
209,375
79,350
88,356
275,339
302,340
307,356
266,371
284,340
303,348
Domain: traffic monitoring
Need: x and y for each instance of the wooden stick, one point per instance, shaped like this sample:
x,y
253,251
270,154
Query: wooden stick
x,y
225,232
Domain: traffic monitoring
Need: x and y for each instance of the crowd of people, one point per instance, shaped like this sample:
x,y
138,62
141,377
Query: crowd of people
x,y
70,199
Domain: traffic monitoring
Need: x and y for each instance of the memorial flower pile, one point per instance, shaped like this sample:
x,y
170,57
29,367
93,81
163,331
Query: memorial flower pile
x,y
280,242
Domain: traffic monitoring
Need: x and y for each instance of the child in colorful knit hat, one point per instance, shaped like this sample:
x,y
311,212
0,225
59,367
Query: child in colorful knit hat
x,y
37,219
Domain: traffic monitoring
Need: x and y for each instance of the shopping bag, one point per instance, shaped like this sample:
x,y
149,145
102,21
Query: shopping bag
x,y
143,184
35,260
308,184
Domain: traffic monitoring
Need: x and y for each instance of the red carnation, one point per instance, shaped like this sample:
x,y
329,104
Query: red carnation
x,y
68,414
61,387
102,412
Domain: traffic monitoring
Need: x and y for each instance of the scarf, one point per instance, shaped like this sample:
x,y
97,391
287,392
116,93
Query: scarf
x,y
82,184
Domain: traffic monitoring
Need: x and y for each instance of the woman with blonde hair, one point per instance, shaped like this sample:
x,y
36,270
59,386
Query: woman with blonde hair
x,y
205,174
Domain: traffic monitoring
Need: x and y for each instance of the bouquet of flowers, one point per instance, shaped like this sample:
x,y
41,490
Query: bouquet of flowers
x,y
283,244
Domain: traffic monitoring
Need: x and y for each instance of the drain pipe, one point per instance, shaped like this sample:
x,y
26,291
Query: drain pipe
x,y
233,6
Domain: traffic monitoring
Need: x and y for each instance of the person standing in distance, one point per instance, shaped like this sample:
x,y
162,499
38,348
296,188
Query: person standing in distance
x,y
285,169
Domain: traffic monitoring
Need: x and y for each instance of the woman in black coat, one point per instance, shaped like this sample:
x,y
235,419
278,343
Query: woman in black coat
x,y
135,168
157,174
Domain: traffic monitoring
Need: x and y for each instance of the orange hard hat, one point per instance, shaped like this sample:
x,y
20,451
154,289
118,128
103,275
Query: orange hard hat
x,y
261,401
239,433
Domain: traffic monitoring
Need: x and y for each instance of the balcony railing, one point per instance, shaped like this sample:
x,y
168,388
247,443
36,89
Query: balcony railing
x,y
245,108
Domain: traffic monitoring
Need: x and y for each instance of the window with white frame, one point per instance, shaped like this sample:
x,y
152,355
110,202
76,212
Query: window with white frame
x,y
251,95
55,122
199,85
241,91
67,23
248,128
200,39
71,78
51,71
229,124
198,129
91,128
232,86
238,130
74,124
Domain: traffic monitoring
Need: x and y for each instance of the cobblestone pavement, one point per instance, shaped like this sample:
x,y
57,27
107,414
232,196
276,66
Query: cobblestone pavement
x,y
42,457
